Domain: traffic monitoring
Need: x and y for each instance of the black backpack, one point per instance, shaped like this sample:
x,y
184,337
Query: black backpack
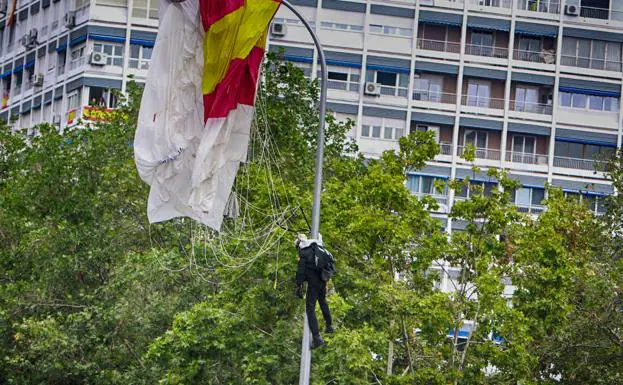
x,y
324,261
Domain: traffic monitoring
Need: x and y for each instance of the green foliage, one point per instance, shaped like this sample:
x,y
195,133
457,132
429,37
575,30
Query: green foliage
x,y
91,293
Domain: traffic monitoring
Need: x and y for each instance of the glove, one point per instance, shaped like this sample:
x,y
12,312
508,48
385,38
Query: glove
x,y
299,291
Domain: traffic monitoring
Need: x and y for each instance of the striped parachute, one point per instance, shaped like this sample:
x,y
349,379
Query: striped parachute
x,y
197,106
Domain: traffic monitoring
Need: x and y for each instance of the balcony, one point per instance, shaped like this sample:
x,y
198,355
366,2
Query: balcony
x,y
543,56
530,107
580,164
601,13
486,50
526,158
482,153
434,97
542,6
482,102
439,45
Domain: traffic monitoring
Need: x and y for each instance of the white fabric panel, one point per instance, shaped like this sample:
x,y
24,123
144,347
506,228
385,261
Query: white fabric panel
x,y
190,166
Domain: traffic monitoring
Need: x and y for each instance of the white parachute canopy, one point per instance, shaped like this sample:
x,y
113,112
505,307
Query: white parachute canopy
x,y
190,166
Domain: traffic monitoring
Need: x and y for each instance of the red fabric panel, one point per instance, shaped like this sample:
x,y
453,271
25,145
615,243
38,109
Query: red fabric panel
x,y
213,10
238,86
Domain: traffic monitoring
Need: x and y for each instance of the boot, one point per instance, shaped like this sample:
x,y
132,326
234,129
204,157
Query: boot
x,y
317,342
329,329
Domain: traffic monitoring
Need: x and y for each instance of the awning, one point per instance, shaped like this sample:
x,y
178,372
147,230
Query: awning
x,y
488,24
574,90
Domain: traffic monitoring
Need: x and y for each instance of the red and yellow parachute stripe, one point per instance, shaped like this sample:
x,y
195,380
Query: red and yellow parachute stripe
x,y
235,37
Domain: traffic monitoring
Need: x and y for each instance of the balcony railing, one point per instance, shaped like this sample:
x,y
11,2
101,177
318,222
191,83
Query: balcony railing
x,y
439,45
482,153
531,107
445,148
580,164
529,209
543,56
526,158
434,97
343,85
594,63
394,91
492,3
601,13
486,50
482,102
543,6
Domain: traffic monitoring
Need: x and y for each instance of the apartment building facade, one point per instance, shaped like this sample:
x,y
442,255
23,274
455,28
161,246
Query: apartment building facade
x,y
61,59
534,85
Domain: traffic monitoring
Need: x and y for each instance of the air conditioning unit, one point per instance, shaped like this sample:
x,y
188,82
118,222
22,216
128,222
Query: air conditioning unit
x,y
97,59
56,119
572,10
372,89
69,20
278,29
33,34
24,40
37,80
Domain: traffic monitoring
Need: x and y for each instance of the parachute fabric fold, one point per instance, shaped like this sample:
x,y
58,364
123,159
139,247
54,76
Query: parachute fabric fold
x,y
197,106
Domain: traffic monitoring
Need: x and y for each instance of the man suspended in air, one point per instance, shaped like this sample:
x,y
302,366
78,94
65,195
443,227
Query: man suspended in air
x,y
316,266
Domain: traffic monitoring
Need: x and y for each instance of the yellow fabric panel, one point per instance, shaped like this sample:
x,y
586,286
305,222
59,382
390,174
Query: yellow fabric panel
x,y
233,37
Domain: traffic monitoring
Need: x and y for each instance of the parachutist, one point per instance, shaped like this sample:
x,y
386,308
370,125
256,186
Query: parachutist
x,y
313,260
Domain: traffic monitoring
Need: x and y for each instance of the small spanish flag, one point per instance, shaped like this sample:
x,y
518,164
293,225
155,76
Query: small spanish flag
x,y
195,118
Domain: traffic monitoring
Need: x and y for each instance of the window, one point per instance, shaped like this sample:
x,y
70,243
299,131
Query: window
x,y
114,3
140,56
426,128
343,78
589,102
77,58
60,56
529,196
428,88
524,144
391,30
478,93
18,82
582,150
526,99
102,98
477,139
114,53
597,204
73,100
481,44
427,185
11,37
392,84
386,78
595,54
340,26
529,44
304,67
383,128
145,9
51,61
475,188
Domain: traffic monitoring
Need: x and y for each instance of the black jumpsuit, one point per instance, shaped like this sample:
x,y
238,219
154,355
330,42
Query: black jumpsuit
x,y
316,288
